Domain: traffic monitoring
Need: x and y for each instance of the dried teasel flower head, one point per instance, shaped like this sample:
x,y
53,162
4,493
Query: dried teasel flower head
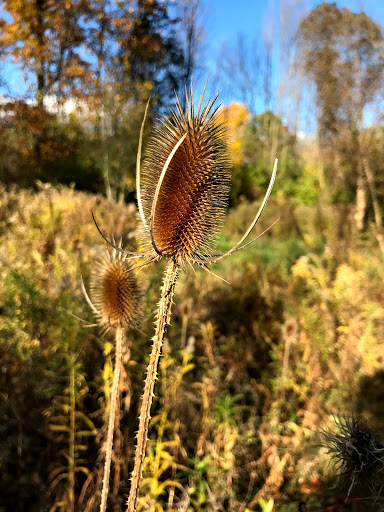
x,y
357,451
186,177
184,198
116,294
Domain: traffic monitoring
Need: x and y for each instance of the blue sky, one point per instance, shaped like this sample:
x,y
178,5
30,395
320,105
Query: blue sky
x,y
256,19
228,17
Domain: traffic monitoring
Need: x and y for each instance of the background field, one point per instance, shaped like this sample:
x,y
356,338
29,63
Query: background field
x,y
251,370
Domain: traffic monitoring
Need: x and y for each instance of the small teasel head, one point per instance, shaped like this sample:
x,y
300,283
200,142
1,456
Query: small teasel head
x,y
116,293
185,181
357,451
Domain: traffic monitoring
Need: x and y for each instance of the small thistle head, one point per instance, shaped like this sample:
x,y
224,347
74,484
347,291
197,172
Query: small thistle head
x,y
185,206
357,452
115,290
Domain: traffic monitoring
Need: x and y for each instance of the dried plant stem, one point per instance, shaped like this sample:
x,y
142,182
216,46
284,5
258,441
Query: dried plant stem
x,y
163,317
72,432
111,421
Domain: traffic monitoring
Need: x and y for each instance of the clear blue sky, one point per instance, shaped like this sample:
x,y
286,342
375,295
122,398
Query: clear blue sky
x,y
226,18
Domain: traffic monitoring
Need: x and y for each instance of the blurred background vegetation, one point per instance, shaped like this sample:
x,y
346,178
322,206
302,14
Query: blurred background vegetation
x,y
250,370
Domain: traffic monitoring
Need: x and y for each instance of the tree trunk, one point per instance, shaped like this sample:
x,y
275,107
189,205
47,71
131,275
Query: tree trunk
x,y
40,71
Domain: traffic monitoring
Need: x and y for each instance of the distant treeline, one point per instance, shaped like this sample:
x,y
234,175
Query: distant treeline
x,y
91,66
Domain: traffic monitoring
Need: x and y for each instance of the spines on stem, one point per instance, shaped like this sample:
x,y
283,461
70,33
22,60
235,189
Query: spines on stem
x,y
111,420
163,317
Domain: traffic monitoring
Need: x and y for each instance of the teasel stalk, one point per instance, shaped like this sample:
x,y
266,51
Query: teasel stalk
x,y
182,200
116,299
163,317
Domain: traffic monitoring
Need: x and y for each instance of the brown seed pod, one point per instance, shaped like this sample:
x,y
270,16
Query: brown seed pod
x,y
115,291
185,181
185,206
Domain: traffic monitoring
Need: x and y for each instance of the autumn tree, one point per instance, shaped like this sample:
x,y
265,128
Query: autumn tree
x,y
148,50
342,53
36,145
106,56
266,135
253,142
237,117
138,55
48,39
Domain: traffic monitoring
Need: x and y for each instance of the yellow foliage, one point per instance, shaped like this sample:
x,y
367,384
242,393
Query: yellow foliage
x,y
237,116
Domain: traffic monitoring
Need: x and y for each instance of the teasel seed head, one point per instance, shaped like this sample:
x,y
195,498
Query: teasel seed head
x,y
185,206
357,451
115,291
182,192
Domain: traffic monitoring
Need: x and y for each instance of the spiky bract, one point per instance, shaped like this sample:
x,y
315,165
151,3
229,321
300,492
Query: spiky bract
x,y
115,291
192,199
357,452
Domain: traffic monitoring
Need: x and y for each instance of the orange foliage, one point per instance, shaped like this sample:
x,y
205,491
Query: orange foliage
x,y
238,116
37,33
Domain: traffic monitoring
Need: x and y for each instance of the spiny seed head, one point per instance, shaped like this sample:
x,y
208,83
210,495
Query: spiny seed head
x,y
115,291
357,452
192,198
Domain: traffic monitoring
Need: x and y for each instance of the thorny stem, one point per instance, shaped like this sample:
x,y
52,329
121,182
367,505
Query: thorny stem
x,y
111,421
163,317
71,468
117,461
